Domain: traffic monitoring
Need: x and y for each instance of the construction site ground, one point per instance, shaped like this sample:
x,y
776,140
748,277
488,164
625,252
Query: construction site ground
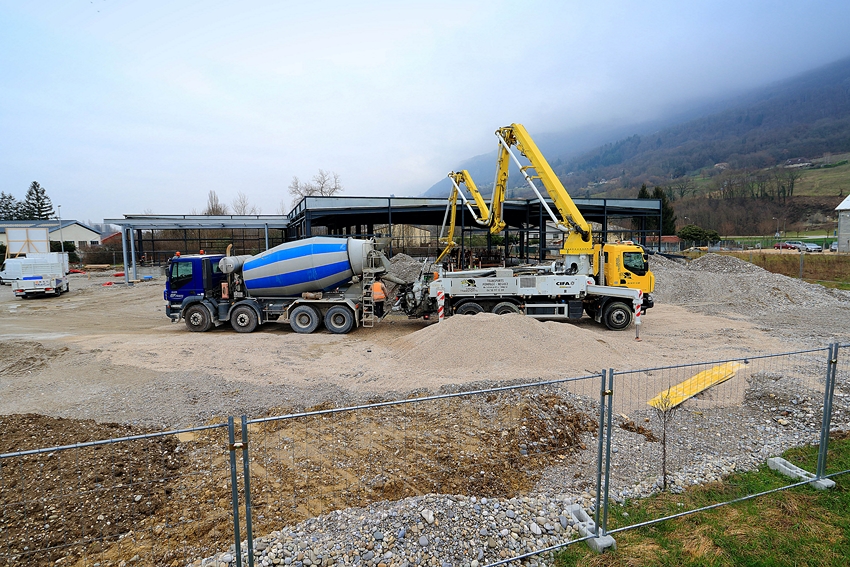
x,y
104,361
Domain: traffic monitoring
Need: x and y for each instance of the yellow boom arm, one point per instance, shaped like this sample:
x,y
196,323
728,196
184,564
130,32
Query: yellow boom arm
x,y
578,237
483,217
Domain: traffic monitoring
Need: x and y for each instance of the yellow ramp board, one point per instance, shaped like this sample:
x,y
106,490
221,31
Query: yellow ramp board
x,y
696,384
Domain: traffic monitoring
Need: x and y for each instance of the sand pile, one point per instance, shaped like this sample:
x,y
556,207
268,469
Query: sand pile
x,y
505,343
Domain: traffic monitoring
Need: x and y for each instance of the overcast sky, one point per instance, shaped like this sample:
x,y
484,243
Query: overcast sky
x,y
120,107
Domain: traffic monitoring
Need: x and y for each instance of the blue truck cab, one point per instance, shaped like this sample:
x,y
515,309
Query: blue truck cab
x,y
193,280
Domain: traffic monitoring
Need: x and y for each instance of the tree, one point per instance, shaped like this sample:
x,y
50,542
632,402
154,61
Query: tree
x,y
214,206
36,205
9,207
683,186
324,184
694,233
665,411
242,206
668,215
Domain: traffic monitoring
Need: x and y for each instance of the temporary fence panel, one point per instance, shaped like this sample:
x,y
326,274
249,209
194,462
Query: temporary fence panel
x,y
837,403
490,475
157,499
691,425
469,455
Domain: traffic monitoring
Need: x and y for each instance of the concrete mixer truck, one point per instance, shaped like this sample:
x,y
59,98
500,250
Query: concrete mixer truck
x,y
304,283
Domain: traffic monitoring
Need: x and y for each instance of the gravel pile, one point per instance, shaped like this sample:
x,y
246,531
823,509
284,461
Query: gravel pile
x,y
435,530
723,285
405,267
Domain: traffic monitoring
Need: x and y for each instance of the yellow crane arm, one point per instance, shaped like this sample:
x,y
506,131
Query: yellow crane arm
x,y
482,217
571,222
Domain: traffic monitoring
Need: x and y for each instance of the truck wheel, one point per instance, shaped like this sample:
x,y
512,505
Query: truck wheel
x,y
469,308
304,319
617,316
506,307
244,319
198,318
339,319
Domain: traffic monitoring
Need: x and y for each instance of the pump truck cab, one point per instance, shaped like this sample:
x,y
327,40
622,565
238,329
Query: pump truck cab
x,y
608,281
304,283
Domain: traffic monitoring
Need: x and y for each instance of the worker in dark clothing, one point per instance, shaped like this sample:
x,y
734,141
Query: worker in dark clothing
x,y
379,295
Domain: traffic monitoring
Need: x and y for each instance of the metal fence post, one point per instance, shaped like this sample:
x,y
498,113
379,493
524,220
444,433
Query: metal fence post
x,y
829,391
231,445
602,394
247,478
608,452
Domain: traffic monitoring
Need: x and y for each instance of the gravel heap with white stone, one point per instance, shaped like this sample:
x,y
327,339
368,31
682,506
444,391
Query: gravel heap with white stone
x,y
434,530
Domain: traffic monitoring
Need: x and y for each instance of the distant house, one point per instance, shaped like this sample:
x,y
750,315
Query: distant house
x,y
669,244
843,210
113,239
797,162
71,230
721,166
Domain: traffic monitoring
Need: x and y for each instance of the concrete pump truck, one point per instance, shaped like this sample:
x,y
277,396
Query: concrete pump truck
x,y
608,281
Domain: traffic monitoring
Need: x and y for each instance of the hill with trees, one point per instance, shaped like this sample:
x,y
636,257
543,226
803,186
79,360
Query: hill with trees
x,y
771,159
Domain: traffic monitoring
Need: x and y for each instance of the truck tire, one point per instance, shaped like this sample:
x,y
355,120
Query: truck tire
x,y
244,319
339,319
506,307
304,319
469,308
197,318
617,316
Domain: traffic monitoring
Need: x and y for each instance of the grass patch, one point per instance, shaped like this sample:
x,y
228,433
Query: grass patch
x,y
827,181
830,270
800,526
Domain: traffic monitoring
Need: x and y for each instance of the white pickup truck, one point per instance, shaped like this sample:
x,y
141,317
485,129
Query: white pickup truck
x,y
40,274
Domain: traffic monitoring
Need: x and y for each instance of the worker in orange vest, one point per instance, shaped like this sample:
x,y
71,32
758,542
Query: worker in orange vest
x,y
379,295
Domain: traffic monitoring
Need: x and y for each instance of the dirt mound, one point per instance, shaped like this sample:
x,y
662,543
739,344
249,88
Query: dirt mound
x,y
91,495
20,357
508,343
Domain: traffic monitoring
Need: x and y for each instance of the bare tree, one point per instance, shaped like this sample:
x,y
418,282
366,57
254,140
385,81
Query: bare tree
x,y
242,206
665,410
282,209
214,206
324,183
683,186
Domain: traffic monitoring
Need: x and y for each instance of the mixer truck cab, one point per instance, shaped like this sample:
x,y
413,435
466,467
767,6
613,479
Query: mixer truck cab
x,y
194,276
193,280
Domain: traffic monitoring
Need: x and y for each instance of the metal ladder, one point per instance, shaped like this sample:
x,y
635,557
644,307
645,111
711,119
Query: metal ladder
x,y
373,264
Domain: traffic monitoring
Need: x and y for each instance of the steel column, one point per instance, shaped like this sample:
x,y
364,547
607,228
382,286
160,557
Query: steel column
x,y
132,255
124,253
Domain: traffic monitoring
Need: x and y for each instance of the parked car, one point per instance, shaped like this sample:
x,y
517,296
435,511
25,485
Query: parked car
x,y
788,245
833,247
811,247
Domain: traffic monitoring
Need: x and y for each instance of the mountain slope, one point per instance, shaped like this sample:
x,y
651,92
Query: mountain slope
x,y
806,116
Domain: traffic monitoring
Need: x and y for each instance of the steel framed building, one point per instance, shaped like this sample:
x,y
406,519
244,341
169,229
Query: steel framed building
x,y
379,217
